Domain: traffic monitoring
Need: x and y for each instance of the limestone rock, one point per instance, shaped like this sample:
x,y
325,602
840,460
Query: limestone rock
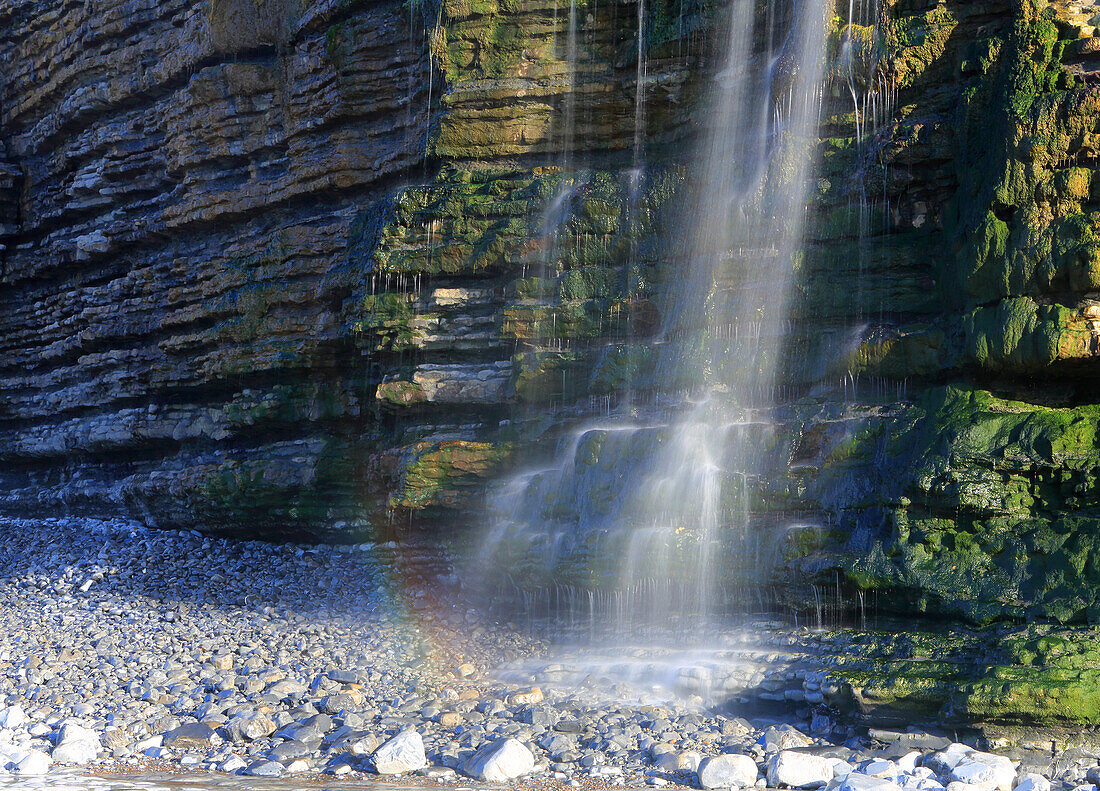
x,y
500,761
1032,782
12,717
196,734
790,769
199,254
34,764
76,745
250,726
728,771
679,761
943,761
265,769
855,781
401,754
783,737
985,770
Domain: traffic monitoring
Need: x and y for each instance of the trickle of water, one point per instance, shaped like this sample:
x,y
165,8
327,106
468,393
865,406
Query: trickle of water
x,y
557,210
570,110
654,521
639,92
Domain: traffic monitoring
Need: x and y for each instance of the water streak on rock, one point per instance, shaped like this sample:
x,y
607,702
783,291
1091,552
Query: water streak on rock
x,y
649,541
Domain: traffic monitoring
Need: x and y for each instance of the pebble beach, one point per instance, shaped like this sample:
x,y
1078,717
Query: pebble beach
x,y
128,654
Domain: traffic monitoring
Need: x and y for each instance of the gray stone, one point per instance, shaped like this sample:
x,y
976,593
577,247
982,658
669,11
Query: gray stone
x,y
232,764
288,751
77,753
855,781
841,768
908,762
657,749
569,726
33,764
114,738
311,730
196,734
959,785
728,771
286,689
1034,782
821,724
799,770
910,740
342,676
783,737
403,753
943,761
878,767
364,746
266,769
539,716
247,727
76,745
686,761
500,761
147,744
334,704
12,717
986,770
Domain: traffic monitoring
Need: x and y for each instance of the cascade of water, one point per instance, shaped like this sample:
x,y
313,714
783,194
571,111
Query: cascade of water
x,y
648,538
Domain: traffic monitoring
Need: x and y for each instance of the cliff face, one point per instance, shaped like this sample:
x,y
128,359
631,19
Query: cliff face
x,y
180,189
281,267
288,267
259,258
976,496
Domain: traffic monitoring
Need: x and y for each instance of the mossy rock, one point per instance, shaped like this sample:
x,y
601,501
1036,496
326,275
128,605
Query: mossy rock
x,y
447,474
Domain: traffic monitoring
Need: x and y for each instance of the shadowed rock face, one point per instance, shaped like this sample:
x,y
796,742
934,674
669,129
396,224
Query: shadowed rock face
x,y
180,185
294,268
216,289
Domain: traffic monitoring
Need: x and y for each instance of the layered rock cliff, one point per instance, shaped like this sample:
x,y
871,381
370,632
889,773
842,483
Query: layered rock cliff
x,y
182,187
263,261
282,267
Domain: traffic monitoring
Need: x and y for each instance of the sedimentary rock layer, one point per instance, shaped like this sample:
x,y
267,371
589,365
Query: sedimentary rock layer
x,y
282,268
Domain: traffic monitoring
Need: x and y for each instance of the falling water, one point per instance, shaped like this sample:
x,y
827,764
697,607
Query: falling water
x,y
633,522
570,111
872,90
639,91
557,209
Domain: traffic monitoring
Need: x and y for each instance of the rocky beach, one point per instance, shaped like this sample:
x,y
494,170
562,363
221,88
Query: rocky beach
x,y
128,653
751,345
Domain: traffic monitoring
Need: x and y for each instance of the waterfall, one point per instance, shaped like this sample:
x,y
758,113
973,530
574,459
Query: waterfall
x,y
664,540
